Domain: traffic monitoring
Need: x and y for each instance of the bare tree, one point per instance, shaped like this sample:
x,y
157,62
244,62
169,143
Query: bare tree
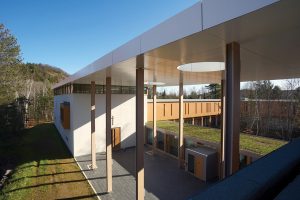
x,y
292,106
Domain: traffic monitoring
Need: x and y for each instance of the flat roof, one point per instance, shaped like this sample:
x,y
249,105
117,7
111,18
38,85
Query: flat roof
x,y
267,30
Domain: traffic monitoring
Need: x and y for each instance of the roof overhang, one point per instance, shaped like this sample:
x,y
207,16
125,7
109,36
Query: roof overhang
x,y
267,30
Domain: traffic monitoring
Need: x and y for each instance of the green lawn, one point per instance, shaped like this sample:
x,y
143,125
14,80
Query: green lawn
x,y
43,167
255,144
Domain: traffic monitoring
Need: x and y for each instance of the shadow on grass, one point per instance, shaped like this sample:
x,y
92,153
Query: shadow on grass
x,y
53,174
62,182
37,156
41,142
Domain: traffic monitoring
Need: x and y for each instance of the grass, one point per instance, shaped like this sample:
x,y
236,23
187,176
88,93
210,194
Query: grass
x,y
255,144
43,167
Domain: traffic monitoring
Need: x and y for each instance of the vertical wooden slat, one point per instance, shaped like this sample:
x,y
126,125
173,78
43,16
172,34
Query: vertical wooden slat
x,y
198,168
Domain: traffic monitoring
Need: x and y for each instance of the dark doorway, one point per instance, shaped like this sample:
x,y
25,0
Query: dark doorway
x,y
191,163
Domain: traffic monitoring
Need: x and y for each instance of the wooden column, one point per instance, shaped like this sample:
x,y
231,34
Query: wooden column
x,y
202,121
140,127
180,138
154,118
193,121
93,134
222,152
232,108
108,136
210,124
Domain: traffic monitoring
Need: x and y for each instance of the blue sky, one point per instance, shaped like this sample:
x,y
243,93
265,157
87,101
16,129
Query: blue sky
x,y
70,34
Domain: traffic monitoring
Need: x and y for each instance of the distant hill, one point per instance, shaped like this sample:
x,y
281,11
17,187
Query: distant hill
x,y
27,79
26,95
42,72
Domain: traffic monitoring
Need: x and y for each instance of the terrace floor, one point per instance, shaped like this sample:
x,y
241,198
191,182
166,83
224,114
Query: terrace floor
x,y
163,179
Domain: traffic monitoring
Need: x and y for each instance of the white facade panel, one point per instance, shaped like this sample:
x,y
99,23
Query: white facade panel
x,y
218,11
181,25
102,62
128,50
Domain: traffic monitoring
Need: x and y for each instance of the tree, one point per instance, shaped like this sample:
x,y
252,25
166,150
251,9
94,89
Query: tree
x,y
276,92
9,48
9,66
291,109
214,91
264,89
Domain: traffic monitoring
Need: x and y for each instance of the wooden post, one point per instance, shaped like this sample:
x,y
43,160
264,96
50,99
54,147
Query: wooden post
x,y
93,134
140,127
108,136
222,151
180,138
232,108
154,119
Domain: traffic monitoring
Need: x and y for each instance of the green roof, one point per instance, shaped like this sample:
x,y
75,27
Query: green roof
x,y
255,144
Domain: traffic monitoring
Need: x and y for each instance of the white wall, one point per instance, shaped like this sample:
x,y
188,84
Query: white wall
x,y
123,113
78,138
66,134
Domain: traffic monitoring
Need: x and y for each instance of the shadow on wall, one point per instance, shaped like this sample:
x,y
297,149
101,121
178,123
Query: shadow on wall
x,y
81,116
84,107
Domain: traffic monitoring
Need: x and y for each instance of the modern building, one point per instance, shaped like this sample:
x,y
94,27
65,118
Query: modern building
x,y
214,41
72,117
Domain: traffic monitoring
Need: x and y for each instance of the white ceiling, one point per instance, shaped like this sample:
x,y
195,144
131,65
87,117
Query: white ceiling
x,y
270,49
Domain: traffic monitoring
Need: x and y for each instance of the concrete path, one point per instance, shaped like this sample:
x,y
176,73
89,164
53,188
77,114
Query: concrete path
x,y
163,179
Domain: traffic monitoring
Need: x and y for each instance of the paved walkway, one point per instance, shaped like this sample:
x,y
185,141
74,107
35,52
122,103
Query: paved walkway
x,y
163,179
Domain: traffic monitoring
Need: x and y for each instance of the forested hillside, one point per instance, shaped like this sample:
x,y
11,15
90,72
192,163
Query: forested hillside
x,y
25,88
